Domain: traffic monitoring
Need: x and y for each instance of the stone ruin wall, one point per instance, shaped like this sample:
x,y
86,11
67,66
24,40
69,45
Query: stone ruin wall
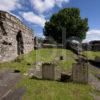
x,y
10,26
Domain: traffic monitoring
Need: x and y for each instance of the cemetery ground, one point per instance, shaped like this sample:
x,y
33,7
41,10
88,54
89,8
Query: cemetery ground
x,y
33,89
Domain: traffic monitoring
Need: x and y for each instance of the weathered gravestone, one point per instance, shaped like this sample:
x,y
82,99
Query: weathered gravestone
x,y
80,72
50,71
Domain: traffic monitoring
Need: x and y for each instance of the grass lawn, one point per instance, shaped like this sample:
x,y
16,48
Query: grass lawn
x,y
52,90
25,62
91,55
48,90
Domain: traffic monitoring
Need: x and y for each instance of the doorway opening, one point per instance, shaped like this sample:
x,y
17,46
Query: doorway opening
x,y
20,46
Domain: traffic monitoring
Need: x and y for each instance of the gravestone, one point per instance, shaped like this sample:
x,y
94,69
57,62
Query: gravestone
x,y
50,71
80,72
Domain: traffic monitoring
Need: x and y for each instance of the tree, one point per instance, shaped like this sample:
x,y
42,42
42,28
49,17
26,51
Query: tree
x,y
68,18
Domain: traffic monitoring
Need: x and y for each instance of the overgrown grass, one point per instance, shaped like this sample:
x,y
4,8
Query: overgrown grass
x,y
22,63
25,62
69,59
48,90
52,90
91,55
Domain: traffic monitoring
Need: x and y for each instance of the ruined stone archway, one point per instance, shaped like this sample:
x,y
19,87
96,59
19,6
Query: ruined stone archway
x,y
20,46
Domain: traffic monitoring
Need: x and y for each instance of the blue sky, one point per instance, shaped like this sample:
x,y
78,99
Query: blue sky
x,y
34,13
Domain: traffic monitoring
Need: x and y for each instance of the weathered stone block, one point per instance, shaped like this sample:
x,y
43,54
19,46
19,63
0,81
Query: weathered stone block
x,y
50,71
80,73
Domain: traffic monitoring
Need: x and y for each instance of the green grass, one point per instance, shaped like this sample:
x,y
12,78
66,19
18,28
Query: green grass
x,y
21,62
48,90
91,55
52,90
25,62
69,59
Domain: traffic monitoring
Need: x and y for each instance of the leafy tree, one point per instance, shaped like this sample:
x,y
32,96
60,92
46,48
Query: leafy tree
x,y
68,19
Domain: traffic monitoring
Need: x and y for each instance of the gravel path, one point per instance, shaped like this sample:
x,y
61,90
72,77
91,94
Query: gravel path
x,y
8,79
15,95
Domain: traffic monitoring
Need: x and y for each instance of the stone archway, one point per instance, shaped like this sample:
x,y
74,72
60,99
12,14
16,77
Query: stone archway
x,y
20,46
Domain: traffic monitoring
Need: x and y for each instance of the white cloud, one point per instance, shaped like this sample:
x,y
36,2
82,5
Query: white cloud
x,y
92,35
33,18
59,2
42,6
8,5
94,32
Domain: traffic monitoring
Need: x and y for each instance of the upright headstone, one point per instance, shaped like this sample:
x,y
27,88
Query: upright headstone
x,y
80,72
48,71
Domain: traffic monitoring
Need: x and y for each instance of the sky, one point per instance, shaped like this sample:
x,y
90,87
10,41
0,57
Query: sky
x,y
34,13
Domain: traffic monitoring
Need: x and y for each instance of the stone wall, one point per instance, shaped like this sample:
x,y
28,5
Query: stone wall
x,y
15,37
